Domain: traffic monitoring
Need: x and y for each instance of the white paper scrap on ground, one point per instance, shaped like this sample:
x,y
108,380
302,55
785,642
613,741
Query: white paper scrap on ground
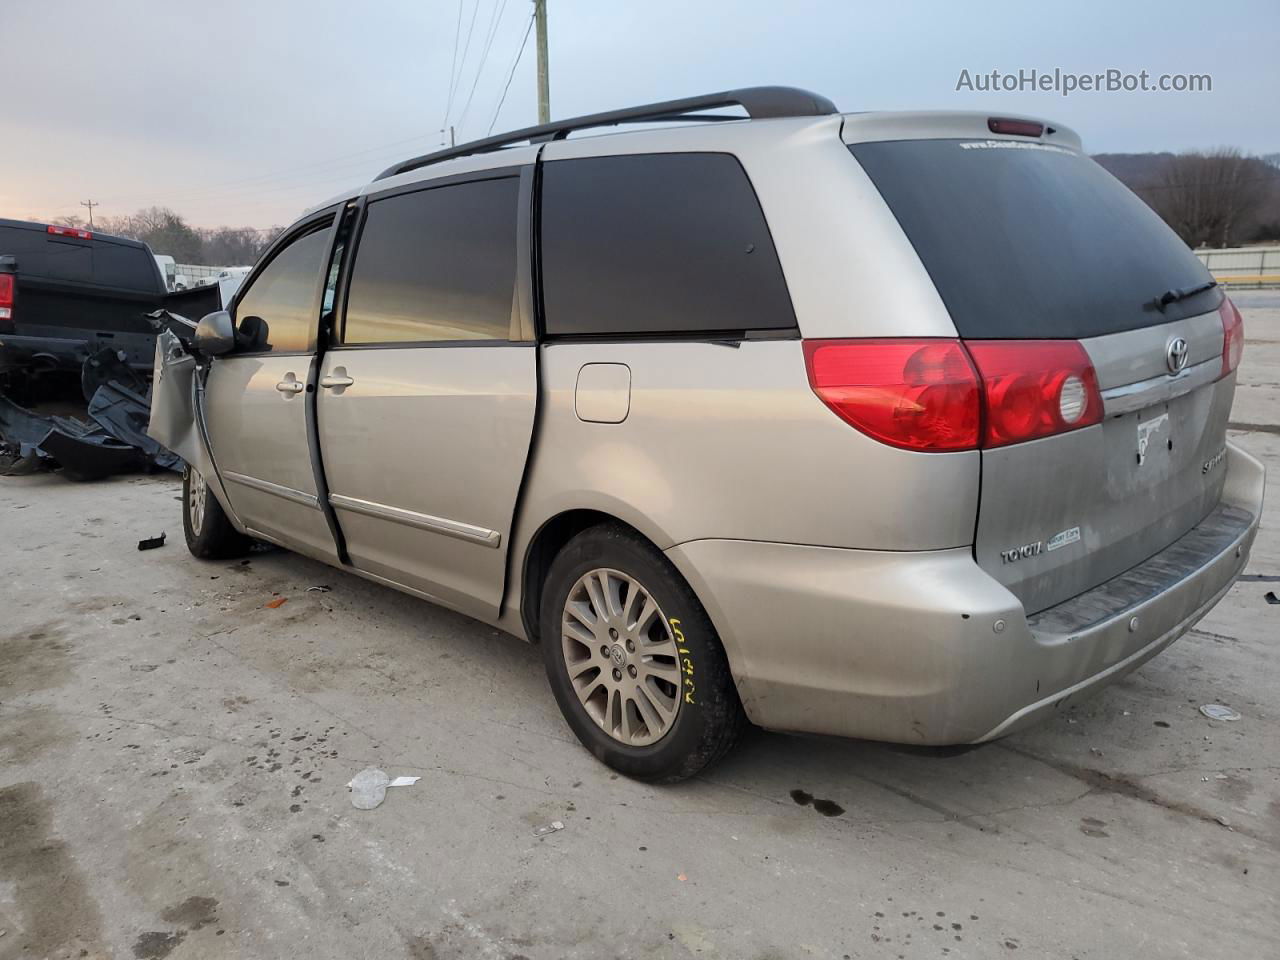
x,y
369,787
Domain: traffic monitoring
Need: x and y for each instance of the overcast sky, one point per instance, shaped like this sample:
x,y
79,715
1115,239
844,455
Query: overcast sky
x,y
244,112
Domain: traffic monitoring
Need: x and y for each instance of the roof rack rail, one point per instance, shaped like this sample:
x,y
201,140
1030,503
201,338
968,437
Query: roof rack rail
x,y
759,103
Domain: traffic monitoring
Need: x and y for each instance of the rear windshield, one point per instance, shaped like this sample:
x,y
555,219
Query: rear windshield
x,y
101,262
1032,241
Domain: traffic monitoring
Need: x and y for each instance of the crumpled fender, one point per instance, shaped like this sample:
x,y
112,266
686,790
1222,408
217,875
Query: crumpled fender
x,y
177,414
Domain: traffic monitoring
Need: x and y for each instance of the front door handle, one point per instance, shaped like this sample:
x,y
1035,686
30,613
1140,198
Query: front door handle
x,y
330,381
290,385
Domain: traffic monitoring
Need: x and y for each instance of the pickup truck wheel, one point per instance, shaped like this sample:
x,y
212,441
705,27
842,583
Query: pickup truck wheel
x,y
633,659
209,533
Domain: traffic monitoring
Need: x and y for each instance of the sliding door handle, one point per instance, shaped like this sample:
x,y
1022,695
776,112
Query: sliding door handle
x,y
331,381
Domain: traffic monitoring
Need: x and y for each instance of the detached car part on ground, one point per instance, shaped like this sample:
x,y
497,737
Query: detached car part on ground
x,y
77,302
907,427
113,439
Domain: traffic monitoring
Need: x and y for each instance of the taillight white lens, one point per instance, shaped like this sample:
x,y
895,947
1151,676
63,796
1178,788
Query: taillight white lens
x,y
1072,399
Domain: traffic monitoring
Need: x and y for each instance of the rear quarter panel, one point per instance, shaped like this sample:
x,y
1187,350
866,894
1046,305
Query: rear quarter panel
x,y
728,441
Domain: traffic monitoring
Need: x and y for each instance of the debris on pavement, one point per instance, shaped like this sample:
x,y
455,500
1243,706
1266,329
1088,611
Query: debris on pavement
x,y
319,588
151,543
1270,597
548,828
113,438
277,602
1217,711
369,787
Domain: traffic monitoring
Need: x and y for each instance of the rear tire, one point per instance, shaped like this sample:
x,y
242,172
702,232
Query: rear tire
x,y
210,535
633,660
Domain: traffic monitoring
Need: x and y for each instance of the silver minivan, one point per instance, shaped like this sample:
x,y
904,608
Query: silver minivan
x,y
904,426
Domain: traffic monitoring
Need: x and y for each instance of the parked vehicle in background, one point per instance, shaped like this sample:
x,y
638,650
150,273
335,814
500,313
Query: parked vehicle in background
x,y
908,427
74,293
229,281
168,271
76,348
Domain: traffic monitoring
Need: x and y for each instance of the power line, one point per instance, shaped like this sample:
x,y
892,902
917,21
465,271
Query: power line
x,y
457,33
490,34
519,54
466,49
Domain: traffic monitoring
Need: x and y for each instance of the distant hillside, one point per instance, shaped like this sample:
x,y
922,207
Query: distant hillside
x,y
1150,176
1135,169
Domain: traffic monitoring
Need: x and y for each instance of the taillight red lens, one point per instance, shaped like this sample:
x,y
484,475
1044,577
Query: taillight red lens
x,y
1034,388
1232,335
914,394
6,299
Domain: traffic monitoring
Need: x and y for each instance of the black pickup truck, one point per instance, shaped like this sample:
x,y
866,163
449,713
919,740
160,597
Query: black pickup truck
x,y
66,294
74,329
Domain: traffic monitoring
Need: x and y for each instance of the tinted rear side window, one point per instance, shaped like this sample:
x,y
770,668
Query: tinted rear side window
x,y
41,255
657,243
115,265
1027,241
437,264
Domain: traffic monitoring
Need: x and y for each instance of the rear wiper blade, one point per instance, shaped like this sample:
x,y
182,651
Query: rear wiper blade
x,y
1173,296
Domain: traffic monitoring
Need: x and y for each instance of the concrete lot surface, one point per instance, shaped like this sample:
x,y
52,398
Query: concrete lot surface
x,y
174,754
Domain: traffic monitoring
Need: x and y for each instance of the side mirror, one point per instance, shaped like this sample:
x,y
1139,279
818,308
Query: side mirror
x,y
215,334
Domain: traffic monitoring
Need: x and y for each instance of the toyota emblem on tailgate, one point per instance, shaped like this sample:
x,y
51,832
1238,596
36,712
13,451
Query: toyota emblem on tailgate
x,y
1175,354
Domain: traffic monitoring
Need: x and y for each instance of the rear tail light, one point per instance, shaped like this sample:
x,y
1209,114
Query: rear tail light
x,y
7,289
1034,388
915,394
1232,335
58,231
939,395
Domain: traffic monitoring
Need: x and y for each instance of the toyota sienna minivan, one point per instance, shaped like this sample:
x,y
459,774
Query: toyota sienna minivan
x,y
902,426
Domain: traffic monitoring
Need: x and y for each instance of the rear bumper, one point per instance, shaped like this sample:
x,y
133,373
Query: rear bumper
x,y
927,648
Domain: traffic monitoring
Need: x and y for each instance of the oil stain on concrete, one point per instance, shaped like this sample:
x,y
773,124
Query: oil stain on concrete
x,y
56,915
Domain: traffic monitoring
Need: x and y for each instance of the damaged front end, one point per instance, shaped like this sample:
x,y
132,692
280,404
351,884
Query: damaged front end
x,y
177,418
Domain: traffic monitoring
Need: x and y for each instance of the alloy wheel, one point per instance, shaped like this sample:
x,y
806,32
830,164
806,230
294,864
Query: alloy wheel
x,y
196,494
621,657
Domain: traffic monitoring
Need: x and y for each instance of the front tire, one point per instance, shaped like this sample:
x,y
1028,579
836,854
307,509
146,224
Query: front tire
x,y
210,535
633,660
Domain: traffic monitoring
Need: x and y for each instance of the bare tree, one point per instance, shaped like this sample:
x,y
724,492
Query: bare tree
x,y
1214,198
167,232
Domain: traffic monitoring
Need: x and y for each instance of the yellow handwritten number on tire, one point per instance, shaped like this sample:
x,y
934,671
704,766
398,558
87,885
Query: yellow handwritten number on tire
x,y
686,664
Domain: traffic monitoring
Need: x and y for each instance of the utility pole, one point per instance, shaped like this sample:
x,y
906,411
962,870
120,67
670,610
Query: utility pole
x,y
452,141
544,82
90,204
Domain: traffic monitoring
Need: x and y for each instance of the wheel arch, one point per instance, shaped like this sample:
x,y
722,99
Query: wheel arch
x,y
547,541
